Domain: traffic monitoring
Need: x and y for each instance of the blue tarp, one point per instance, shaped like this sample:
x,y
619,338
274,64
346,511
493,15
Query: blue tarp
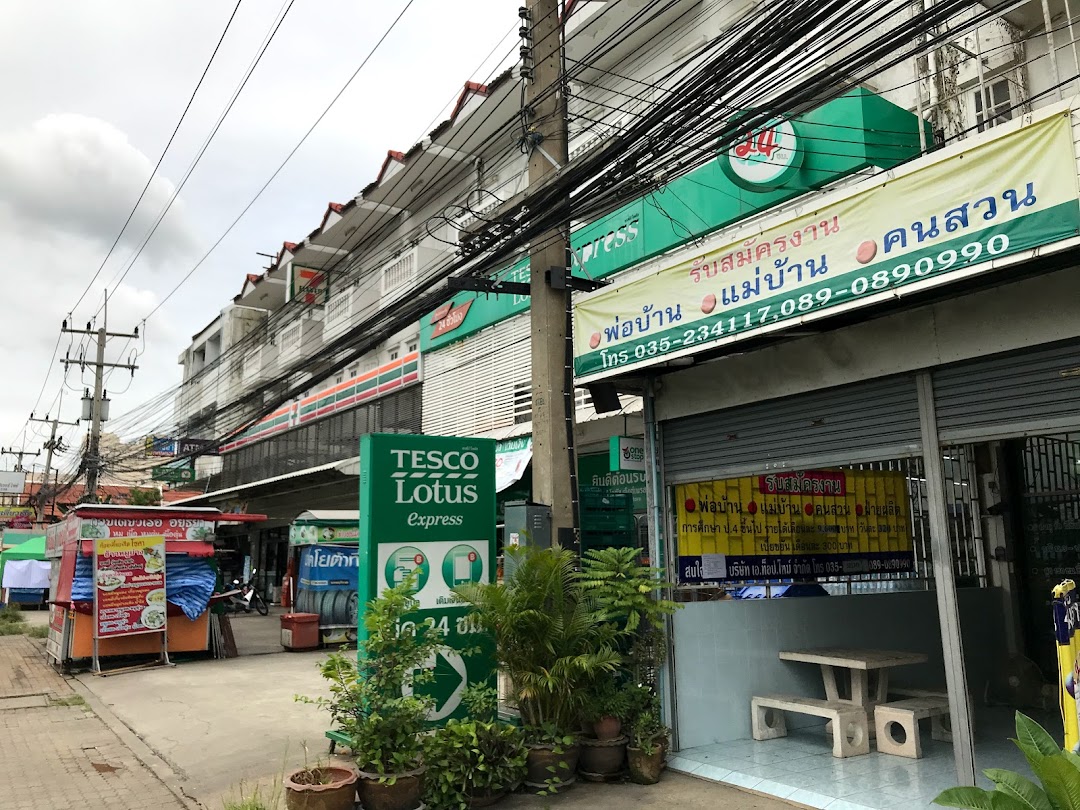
x,y
189,582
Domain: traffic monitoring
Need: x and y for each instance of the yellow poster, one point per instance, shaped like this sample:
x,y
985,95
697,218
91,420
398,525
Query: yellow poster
x,y
794,525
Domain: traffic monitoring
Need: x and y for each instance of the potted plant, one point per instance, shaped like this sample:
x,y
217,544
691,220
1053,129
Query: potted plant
x,y
552,641
372,699
606,705
474,762
323,787
645,753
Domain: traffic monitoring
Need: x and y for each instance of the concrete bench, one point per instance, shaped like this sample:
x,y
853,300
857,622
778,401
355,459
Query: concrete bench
x,y
897,724
940,724
849,726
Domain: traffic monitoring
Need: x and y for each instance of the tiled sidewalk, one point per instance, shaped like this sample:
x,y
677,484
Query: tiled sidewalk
x,y
55,752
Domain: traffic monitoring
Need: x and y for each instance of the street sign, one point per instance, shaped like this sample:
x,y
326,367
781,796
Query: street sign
x,y
188,446
170,473
427,505
626,453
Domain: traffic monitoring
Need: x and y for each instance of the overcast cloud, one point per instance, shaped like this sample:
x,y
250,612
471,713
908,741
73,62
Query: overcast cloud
x,y
92,92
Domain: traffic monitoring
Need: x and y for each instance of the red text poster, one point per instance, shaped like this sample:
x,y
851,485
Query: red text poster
x,y
129,586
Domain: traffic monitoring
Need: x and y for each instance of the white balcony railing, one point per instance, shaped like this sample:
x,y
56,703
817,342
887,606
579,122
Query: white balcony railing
x,y
300,338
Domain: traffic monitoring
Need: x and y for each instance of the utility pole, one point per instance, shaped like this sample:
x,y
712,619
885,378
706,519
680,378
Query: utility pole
x,y
554,473
19,454
95,408
51,445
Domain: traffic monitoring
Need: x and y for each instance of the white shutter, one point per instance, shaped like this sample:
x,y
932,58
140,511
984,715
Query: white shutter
x,y
469,385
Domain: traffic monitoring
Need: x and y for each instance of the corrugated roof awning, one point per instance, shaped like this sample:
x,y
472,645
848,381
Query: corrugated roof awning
x,y
349,466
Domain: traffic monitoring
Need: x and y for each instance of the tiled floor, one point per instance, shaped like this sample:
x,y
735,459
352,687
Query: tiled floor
x,y
800,767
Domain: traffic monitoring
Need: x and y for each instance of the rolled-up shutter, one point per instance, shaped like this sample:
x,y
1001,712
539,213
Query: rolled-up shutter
x,y
1034,391
877,419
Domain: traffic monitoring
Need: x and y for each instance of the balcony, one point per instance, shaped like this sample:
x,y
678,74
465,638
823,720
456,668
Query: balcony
x,y
259,365
300,338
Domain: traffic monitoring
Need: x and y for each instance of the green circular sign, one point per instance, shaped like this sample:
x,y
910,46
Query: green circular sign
x,y
764,158
402,562
462,564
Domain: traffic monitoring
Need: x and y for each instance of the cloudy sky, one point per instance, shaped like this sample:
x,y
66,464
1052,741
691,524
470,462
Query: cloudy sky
x,y
93,92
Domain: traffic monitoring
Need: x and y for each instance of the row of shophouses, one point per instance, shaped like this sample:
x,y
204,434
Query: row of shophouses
x,y
874,326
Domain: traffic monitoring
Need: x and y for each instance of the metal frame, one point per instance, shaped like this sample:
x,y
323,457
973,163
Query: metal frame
x,y
952,645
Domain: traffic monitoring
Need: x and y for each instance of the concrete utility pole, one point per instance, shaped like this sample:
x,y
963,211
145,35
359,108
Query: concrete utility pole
x,y
19,454
51,445
552,382
96,410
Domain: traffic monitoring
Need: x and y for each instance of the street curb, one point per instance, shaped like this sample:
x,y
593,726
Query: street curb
x,y
143,752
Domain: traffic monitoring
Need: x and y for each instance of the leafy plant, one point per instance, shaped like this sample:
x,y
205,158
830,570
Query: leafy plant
x,y
372,696
607,698
551,636
626,591
469,758
1057,770
11,613
256,800
38,631
143,497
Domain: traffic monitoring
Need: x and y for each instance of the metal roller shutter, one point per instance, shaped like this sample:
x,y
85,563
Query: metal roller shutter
x,y
866,421
1010,395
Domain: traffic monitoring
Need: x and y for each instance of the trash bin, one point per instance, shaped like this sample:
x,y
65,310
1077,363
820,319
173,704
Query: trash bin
x,y
300,631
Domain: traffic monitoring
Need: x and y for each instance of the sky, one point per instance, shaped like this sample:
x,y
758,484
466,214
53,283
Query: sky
x,y
93,92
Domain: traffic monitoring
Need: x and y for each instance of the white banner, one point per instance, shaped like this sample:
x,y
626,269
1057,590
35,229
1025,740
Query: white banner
x,y
511,460
26,574
12,483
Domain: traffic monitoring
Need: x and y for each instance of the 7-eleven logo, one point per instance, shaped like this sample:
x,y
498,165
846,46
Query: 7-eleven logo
x,y
309,285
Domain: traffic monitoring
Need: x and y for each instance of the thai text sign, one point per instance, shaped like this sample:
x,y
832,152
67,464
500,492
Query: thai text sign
x,y
171,528
948,218
427,509
328,584
129,586
794,525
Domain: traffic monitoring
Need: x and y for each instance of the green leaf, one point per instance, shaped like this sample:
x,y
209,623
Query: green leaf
x,y
1033,739
973,798
1023,790
1073,758
1061,781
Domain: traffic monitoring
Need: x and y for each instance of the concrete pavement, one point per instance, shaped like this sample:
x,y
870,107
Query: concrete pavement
x,y
56,752
220,723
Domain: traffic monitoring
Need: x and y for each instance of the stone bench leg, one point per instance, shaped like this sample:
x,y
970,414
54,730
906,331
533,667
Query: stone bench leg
x,y
851,736
941,728
893,724
767,723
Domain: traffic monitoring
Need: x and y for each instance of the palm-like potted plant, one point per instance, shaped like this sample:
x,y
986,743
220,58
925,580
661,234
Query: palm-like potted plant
x,y
552,640
373,699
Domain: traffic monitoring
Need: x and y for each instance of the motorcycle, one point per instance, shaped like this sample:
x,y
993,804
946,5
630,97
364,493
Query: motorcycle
x,y
244,597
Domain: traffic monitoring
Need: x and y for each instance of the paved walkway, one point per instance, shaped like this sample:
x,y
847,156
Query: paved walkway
x,y
56,752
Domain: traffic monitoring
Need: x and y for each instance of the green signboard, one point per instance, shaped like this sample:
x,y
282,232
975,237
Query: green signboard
x,y
772,166
594,472
427,504
171,473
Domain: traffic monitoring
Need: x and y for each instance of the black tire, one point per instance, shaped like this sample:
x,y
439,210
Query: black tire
x,y
260,604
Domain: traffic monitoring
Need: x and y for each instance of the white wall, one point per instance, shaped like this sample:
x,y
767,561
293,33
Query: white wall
x,y
726,652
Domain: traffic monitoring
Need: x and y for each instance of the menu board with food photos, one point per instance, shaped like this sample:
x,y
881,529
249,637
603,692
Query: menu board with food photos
x,y
129,586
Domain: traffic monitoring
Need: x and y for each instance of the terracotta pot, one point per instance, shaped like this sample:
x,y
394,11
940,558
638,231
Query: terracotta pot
x,y
404,794
645,768
607,728
543,757
602,757
338,794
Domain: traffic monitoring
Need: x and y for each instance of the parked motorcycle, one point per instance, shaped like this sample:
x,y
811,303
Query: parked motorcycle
x,y
244,597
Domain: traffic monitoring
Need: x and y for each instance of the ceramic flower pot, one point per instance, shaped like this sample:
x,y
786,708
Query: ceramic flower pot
x,y
544,764
339,793
601,758
645,768
607,728
376,793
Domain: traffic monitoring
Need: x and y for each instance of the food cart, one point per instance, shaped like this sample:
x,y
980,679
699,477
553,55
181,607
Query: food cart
x,y
189,577
323,547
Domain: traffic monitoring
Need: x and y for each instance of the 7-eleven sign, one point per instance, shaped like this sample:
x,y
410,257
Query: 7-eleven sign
x,y
309,285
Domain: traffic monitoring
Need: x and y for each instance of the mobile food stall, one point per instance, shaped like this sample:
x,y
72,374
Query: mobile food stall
x,y
323,545
24,573
131,580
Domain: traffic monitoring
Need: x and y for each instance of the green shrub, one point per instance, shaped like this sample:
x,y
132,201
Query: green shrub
x,y
38,631
469,758
1057,770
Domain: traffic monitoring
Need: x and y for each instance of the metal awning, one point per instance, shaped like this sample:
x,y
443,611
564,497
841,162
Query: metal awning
x,y
347,467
